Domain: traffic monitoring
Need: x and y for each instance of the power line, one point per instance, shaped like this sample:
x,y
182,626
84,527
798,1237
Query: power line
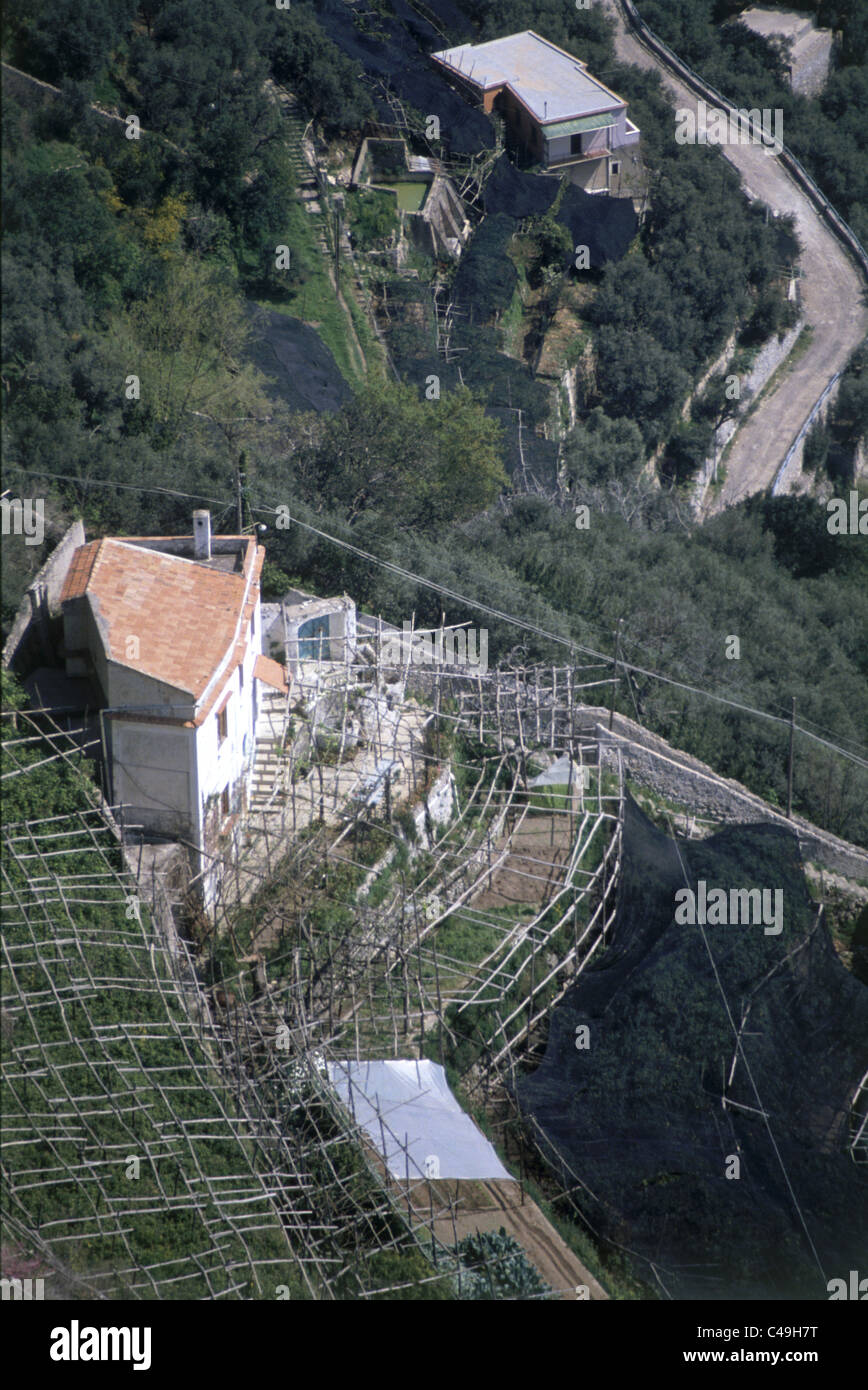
x,y
566,641
476,604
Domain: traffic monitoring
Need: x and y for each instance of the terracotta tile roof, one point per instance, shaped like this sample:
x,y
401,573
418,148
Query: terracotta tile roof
x,y
271,672
188,619
79,571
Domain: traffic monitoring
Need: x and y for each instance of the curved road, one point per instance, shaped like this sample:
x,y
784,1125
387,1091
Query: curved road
x,y
833,298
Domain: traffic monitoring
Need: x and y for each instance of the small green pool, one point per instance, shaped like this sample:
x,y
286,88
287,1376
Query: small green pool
x,y
411,195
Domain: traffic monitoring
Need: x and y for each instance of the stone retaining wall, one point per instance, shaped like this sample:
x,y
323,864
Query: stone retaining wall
x,y
679,777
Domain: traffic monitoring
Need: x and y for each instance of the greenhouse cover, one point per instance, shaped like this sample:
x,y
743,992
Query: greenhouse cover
x,y
412,1118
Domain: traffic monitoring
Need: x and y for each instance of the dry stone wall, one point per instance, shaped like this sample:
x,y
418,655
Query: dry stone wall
x,y
670,773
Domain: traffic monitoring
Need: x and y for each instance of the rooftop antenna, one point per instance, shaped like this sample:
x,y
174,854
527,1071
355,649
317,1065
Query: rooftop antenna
x,y
545,109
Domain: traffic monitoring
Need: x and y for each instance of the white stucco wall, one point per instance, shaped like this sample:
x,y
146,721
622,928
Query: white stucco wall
x,y
228,764
127,687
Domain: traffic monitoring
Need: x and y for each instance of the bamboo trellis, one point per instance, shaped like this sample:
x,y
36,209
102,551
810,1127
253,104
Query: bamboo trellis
x,y
381,988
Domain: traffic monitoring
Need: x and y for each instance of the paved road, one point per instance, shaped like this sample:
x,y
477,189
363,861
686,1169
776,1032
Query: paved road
x,y
833,295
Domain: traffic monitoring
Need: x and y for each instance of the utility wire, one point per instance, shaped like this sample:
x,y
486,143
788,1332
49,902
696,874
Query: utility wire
x,y
526,626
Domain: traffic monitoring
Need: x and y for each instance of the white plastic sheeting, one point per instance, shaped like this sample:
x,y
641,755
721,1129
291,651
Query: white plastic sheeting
x,y
414,1121
563,773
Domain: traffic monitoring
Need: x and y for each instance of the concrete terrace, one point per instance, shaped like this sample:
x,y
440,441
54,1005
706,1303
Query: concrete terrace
x,y
383,733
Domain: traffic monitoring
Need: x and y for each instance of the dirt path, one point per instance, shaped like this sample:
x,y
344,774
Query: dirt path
x,y
501,1206
352,335
534,868
833,297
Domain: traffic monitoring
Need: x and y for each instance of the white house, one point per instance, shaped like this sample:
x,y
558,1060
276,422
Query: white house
x,y
170,628
555,113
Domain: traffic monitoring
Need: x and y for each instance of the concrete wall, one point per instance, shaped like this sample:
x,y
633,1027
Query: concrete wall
x,y
341,615
560,148
129,688
442,221
596,141
41,602
83,637
154,776
590,174
768,359
810,51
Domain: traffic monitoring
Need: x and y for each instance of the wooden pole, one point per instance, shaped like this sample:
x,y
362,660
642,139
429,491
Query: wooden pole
x,y
239,490
614,674
554,705
790,766
439,997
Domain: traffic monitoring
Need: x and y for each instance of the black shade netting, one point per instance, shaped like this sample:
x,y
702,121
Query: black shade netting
x,y
392,54
506,386
530,460
605,225
638,1118
517,194
300,368
486,279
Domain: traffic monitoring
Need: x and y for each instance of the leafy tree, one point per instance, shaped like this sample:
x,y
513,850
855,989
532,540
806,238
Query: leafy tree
x,y
687,449
326,82
599,449
638,377
554,246
429,462
186,343
54,39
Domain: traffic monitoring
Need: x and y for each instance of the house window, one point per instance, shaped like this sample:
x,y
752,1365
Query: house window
x,y
223,724
224,802
575,144
616,166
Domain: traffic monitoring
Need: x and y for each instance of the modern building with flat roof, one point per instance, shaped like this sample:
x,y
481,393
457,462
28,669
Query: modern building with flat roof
x,y
554,112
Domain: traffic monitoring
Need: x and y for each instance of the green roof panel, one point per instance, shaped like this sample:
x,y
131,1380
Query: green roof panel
x,y
579,126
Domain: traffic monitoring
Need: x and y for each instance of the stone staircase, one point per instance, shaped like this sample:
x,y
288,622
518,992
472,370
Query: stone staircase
x,y
303,175
268,760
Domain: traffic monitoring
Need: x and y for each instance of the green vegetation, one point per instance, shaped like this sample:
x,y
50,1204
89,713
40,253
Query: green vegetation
x,y
372,215
832,445
108,1023
434,463
497,1267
